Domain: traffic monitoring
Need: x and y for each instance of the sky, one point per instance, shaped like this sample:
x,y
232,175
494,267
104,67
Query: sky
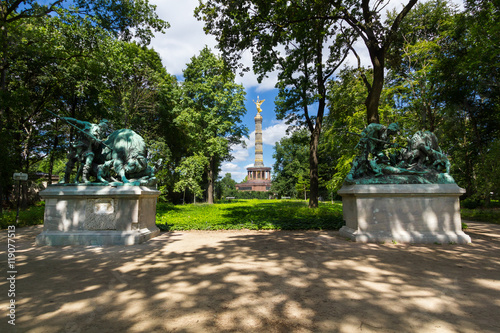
x,y
185,39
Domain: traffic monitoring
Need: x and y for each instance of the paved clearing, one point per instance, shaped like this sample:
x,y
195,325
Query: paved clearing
x,y
256,281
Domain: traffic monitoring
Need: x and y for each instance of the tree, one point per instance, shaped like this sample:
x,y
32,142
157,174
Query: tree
x,y
366,22
412,59
444,71
346,118
53,62
302,186
261,24
40,69
212,110
191,173
125,19
468,64
226,186
134,77
291,162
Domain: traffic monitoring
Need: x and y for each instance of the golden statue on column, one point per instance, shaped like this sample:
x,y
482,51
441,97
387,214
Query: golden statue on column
x,y
258,104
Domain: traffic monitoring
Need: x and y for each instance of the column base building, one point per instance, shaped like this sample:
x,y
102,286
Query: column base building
x,y
258,179
258,176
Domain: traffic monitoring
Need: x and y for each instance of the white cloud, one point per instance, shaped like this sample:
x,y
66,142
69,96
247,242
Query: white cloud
x,y
184,39
228,166
250,142
239,153
270,135
274,133
250,79
237,172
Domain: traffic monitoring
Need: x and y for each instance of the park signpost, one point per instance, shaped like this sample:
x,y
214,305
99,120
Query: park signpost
x,y
20,177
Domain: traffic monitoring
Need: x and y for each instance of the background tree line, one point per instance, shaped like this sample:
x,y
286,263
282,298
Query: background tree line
x,y
90,60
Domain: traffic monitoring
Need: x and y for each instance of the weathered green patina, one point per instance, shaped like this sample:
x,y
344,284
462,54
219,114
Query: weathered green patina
x,y
382,161
118,160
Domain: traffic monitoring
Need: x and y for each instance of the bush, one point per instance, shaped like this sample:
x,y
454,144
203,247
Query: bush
x,y
491,215
252,195
30,216
471,203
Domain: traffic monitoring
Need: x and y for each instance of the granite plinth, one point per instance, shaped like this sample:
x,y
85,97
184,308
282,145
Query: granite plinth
x,y
428,213
98,215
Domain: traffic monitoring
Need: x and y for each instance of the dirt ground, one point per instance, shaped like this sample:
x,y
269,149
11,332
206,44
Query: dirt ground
x,y
255,281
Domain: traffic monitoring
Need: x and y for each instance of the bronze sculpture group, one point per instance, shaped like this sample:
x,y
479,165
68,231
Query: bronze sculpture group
x,y
121,158
381,161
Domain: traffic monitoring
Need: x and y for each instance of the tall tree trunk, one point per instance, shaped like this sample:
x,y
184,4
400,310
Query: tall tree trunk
x,y
52,158
377,47
315,129
372,101
210,176
25,166
313,168
1,194
3,62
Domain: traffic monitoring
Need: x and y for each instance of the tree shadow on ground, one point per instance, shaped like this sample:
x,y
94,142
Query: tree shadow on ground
x,y
267,281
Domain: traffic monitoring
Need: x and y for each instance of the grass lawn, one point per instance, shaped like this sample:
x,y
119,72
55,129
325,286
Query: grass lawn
x,y
491,215
31,216
250,214
244,214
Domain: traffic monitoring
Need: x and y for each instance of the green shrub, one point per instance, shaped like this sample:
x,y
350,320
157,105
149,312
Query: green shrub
x,y
491,215
471,203
30,216
252,195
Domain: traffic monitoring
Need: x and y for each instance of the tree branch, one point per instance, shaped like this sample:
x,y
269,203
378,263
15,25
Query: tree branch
x,y
363,76
395,25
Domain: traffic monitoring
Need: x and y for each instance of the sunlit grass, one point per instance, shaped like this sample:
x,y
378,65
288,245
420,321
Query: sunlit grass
x,y
250,214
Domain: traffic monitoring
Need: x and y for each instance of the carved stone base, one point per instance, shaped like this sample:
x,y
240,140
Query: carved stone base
x,y
427,213
98,215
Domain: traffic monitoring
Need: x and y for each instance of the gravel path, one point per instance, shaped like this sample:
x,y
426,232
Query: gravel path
x,y
255,281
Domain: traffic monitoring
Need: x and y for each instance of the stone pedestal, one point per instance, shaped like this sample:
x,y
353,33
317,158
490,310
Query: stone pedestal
x,y
98,215
428,213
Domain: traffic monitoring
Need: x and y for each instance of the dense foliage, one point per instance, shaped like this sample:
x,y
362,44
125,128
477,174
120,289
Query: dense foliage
x,y
90,60
305,42
76,61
